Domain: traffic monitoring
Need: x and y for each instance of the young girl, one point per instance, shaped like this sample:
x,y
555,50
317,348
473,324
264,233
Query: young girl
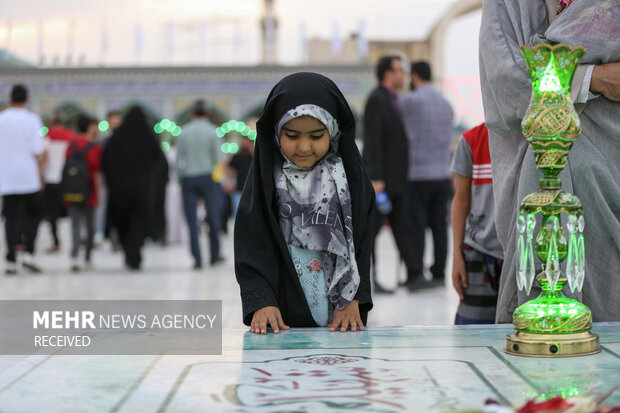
x,y
302,232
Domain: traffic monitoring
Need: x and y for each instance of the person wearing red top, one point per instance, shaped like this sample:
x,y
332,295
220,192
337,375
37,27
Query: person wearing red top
x,y
85,212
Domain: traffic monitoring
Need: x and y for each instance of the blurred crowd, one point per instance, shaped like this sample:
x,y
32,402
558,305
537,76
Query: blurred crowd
x,y
118,185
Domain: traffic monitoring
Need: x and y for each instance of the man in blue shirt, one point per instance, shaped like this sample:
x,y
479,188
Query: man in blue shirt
x,y
428,122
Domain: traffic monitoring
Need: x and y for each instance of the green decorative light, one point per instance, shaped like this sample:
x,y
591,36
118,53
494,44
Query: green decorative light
x,y
236,126
177,131
104,126
225,147
171,126
158,128
165,146
165,123
564,390
43,131
233,148
550,82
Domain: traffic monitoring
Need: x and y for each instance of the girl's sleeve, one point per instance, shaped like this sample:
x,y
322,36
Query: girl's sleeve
x,y
364,248
256,252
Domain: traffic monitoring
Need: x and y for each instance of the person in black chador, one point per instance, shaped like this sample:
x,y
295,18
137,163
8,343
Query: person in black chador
x,y
128,163
156,228
303,227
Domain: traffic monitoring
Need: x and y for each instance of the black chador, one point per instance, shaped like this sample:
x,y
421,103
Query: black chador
x,y
263,264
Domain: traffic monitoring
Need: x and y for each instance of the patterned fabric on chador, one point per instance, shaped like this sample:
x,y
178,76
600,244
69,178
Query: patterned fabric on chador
x,y
315,209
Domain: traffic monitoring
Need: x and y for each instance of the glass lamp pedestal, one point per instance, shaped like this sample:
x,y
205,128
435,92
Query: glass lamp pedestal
x,y
552,325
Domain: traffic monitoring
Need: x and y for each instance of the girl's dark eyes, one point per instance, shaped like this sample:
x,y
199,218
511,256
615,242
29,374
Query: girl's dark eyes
x,y
295,136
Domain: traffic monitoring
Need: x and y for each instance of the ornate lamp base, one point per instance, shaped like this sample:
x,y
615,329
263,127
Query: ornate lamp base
x,y
552,345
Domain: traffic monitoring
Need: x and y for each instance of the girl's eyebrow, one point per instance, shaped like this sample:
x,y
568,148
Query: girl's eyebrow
x,y
296,131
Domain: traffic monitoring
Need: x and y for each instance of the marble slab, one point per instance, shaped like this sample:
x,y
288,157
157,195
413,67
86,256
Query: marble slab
x,y
387,369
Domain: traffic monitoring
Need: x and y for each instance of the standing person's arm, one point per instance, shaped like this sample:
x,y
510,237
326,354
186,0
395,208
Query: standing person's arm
x,y
97,165
606,80
462,168
43,160
35,140
97,183
37,145
503,72
180,160
460,209
373,142
229,176
604,74
215,151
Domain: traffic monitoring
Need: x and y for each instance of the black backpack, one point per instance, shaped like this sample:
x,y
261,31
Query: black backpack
x,y
75,184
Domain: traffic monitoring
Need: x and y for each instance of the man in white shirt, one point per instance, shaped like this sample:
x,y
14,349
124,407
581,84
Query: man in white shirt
x,y
20,180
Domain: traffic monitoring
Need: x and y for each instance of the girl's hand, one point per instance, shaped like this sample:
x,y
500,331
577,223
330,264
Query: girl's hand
x,y
348,316
269,315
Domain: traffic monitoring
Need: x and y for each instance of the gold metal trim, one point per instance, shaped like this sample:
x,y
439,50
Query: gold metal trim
x,y
554,47
558,142
552,345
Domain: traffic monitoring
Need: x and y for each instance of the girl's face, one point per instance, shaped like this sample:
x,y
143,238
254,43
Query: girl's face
x,y
304,140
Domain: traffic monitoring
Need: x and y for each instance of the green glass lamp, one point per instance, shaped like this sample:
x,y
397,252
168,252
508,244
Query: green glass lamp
x,y
551,325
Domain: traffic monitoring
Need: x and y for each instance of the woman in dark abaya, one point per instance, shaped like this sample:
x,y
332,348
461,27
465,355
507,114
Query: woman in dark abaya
x,y
302,231
128,163
157,211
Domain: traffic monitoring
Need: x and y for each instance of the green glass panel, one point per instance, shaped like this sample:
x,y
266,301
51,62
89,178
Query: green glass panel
x,y
552,312
550,122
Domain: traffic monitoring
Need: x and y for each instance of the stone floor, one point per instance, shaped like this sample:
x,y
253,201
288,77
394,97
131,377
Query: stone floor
x,y
168,275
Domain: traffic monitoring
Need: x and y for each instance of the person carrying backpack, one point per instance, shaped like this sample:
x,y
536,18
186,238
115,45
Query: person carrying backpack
x,y
80,187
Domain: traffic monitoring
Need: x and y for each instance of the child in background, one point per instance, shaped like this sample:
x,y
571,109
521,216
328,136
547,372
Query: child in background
x,y
478,255
302,233
84,211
